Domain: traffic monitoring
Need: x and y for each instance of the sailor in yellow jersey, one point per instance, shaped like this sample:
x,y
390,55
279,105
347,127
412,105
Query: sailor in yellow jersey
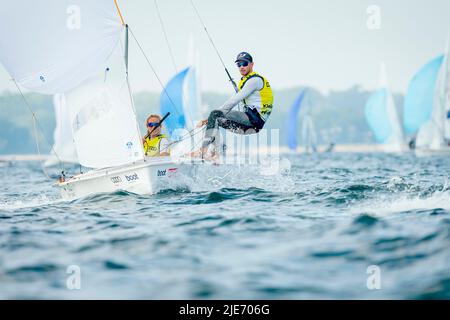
x,y
256,96
155,143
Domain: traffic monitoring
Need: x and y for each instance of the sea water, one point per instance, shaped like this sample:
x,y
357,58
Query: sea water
x,y
338,226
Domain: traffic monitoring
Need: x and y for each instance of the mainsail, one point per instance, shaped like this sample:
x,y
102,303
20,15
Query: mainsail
x,y
71,47
103,122
381,116
51,46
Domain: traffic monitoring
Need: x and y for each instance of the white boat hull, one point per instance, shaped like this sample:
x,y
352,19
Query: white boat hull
x,y
145,177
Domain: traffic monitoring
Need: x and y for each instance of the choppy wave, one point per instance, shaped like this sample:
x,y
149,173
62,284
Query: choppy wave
x,y
313,228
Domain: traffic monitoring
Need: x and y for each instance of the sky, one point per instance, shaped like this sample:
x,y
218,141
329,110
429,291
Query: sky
x,y
330,45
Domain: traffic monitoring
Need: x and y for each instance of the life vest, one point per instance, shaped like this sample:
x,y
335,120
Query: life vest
x,y
152,147
262,100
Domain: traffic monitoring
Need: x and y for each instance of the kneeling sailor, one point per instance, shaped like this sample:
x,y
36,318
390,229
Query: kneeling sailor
x,y
155,143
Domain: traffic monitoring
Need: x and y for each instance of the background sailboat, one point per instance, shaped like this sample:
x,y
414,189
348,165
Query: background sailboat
x,y
180,98
382,118
434,135
426,107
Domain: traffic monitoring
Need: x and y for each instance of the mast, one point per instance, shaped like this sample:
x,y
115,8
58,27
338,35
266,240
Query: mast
x,y
138,128
120,14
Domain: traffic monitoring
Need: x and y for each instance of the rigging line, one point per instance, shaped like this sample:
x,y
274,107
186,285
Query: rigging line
x,y
152,68
165,36
196,145
188,135
125,49
235,87
214,46
145,56
37,125
35,133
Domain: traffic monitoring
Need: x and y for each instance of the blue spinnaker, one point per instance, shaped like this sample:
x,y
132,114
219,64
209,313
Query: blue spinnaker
x,y
171,100
292,123
377,115
419,98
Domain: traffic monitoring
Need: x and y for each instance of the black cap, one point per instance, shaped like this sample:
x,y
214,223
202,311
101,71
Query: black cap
x,y
244,56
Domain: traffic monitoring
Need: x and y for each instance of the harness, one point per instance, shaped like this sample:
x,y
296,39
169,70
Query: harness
x,y
152,147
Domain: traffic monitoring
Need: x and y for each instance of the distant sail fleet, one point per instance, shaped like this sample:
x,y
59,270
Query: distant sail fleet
x,y
426,111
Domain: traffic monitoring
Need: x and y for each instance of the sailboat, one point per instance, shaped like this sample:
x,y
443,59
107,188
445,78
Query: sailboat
x,y
382,118
427,107
80,48
308,135
63,149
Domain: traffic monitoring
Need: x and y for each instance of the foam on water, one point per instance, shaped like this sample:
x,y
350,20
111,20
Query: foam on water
x,y
30,202
274,176
400,194
389,204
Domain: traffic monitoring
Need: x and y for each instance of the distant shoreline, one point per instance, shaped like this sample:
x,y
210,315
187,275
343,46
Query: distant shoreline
x,y
340,148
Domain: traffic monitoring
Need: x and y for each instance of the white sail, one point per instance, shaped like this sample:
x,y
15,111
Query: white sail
x,y
64,146
67,46
71,47
429,136
382,118
51,46
396,141
309,135
102,117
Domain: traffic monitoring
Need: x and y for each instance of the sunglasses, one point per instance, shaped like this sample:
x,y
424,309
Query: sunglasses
x,y
152,124
242,64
